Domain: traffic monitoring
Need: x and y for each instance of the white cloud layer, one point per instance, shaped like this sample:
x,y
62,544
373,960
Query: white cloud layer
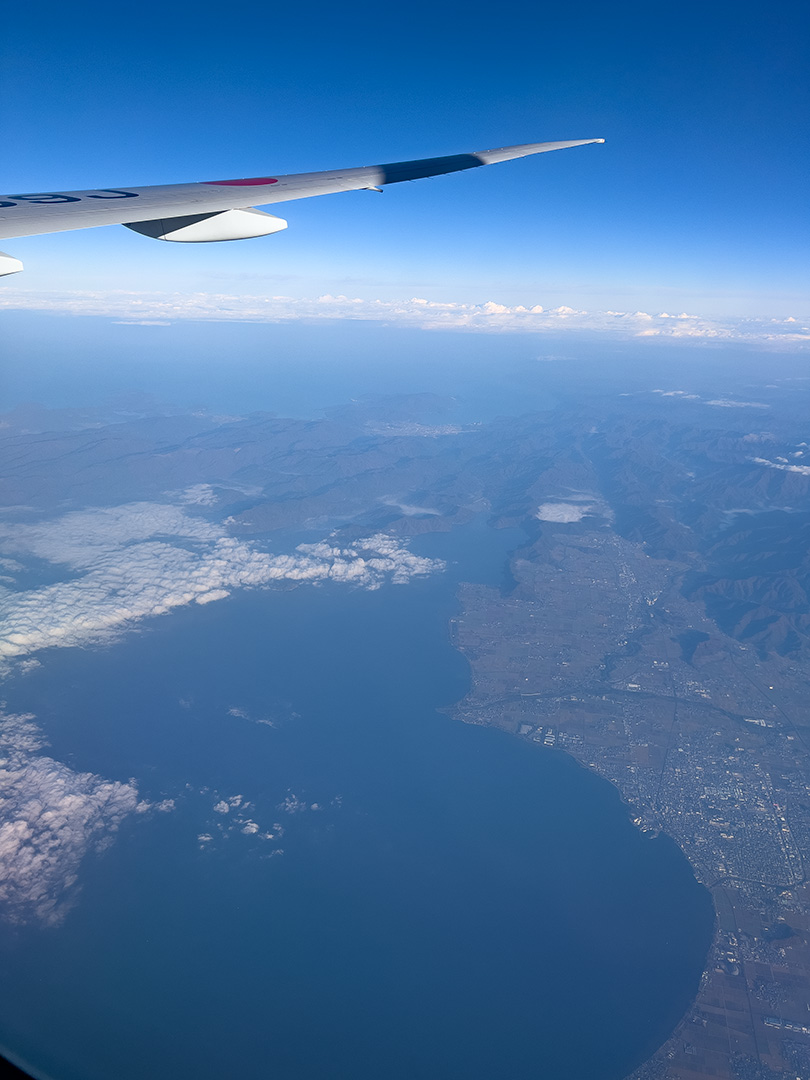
x,y
563,511
51,817
165,308
197,495
143,559
803,470
720,403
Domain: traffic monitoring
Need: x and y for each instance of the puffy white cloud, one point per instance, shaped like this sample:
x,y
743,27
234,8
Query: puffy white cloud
x,y
197,495
25,667
562,511
51,817
143,559
237,817
721,403
292,804
415,311
214,594
266,721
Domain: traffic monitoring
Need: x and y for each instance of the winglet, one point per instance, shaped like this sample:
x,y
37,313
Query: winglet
x,y
507,153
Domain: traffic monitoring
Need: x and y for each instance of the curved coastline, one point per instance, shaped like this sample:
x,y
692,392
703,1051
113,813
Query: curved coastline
x,y
654,829
673,735
649,1068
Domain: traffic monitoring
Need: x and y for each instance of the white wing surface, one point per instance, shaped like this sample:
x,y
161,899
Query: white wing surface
x,y
221,209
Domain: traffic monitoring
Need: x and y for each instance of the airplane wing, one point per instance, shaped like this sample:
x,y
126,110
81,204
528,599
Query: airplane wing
x,y
220,209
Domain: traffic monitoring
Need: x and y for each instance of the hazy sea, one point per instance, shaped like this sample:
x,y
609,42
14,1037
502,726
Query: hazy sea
x,y
459,904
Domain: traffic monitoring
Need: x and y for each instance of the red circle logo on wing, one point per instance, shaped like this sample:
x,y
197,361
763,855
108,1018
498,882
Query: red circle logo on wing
x,y
253,181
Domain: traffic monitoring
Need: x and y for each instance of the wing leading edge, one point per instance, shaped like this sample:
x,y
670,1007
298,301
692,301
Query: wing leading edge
x,y
160,211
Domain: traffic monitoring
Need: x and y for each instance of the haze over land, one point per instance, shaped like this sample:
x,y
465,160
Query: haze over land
x,y
654,625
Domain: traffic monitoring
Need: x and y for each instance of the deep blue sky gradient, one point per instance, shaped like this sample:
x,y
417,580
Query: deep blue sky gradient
x,y
698,199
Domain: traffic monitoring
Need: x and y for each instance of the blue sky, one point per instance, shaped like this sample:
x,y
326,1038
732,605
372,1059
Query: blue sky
x,y
697,201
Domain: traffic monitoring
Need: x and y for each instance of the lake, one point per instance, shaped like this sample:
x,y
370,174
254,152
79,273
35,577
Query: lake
x,y
450,901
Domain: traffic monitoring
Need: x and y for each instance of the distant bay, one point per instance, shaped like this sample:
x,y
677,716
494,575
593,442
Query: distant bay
x,y
449,902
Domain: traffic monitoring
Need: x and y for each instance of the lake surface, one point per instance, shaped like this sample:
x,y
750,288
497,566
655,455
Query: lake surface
x,y
457,904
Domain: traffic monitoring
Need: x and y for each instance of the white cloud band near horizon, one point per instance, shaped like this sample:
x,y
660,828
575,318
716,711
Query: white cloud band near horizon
x,y
155,308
